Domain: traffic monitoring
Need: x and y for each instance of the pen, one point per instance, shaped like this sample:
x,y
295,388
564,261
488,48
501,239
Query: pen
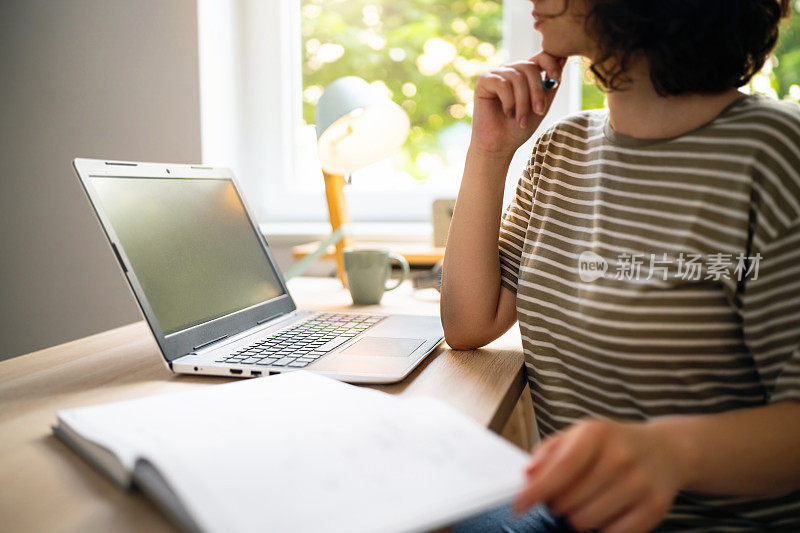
x,y
549,83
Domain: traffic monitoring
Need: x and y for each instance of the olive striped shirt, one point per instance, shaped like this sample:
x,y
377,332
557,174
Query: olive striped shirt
x,y
662,277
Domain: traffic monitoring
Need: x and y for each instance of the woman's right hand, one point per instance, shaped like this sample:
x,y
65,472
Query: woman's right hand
x,y
510,103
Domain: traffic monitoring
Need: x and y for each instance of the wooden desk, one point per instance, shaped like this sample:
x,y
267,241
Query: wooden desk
x,y
44,486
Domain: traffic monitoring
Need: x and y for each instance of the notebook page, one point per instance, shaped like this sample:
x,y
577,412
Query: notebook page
x,y
301,452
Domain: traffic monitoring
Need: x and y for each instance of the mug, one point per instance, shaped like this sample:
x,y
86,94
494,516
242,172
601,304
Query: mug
x,y
368,271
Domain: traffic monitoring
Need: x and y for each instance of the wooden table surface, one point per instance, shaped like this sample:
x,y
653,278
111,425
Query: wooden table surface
x,y
44,486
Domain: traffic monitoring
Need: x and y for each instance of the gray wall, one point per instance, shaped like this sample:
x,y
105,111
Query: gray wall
x,y
81,78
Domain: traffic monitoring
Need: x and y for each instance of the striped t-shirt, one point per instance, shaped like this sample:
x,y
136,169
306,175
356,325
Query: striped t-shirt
x,y
662,277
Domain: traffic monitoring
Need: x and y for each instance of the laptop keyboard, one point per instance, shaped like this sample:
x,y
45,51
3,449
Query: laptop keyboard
x,y
304,342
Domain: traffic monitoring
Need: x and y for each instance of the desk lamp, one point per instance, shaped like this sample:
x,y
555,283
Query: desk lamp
x,y
357,126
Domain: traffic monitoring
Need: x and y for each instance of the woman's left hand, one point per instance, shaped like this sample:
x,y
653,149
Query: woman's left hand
x,y
606,475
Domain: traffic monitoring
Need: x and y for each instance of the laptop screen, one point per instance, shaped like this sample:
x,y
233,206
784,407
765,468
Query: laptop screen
x,y
191,246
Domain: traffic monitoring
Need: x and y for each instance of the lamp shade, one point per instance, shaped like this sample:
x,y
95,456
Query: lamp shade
x,y
357,125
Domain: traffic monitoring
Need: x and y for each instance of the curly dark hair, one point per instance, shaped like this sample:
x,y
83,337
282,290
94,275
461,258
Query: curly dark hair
x,y
692,46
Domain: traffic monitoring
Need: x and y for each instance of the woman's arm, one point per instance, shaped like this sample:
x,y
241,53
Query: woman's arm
x,y
747,452
509,105
475,309
624,476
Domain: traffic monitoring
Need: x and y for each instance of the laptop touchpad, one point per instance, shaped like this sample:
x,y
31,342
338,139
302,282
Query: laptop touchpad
x,y
387,346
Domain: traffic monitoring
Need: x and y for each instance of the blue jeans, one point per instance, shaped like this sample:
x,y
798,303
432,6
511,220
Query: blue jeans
x,y
502,520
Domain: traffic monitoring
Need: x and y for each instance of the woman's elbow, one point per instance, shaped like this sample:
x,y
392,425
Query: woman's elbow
x,y
458,339
463,331
462,344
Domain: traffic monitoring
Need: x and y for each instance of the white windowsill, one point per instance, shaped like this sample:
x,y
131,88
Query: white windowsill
x,y
369,231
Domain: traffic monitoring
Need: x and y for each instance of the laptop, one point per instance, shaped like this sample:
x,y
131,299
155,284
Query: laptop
x,y
212,293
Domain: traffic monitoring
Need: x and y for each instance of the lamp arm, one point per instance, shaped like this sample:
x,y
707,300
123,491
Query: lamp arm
x,y
301,266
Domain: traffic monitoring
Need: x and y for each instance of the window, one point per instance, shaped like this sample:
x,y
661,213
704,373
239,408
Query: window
x,y
423,54
263,65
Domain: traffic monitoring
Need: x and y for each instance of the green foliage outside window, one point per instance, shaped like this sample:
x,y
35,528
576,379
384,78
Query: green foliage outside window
x,y
425,53
781,76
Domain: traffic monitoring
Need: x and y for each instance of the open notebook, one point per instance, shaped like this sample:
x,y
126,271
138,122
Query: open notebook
x,y
298,452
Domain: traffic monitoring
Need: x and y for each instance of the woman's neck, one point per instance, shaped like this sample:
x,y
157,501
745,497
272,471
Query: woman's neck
x,y
639,111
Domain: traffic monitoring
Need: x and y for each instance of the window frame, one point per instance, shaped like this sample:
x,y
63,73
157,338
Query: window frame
x,y
251,110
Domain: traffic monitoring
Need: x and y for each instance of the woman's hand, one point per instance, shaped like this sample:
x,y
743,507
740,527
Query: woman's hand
x,y
510,103
606,475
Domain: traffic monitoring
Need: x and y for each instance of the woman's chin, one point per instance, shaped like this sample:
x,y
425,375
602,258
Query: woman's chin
x,y
558,49
555,51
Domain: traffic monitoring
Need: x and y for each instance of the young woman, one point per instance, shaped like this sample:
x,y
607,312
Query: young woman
x,y
651,256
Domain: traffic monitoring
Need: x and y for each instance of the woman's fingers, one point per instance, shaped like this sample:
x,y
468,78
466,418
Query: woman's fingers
x,y
533,76
613,465
574,456
603,474
549,64
541,454
498,86
518,88
519,85
617,499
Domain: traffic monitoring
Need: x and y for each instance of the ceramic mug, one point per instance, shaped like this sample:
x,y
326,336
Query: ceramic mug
x,y
368,272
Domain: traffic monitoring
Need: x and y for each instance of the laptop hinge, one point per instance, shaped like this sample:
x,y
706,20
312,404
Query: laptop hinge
x,y
209,342
263,320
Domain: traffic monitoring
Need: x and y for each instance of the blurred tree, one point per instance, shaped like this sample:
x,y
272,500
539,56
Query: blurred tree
x,y
591,95
783,70
425,54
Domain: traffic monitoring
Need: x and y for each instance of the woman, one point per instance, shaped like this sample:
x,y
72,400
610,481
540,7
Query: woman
x,y
650,255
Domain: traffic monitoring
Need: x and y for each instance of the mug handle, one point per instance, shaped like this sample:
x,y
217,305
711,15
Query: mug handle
x,y
404,265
